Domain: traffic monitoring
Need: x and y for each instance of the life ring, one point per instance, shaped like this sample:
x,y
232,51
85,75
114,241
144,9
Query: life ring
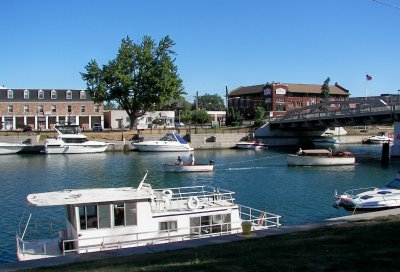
x,y
261,218
193,202
167,193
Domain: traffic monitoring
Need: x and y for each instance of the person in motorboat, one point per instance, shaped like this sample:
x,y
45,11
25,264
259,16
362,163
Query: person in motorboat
x,y
299,152
179,161
191,159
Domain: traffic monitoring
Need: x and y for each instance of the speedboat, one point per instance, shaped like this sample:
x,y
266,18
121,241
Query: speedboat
x,y
320,157
379,139
101,219
9,148
171,142
371,199
73,143
173,167
325,142
251,145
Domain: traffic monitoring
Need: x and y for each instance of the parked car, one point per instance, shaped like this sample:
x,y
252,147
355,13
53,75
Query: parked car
x,y
97,127
27,129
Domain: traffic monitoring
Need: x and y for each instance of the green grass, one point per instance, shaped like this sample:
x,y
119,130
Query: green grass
x,y
372,245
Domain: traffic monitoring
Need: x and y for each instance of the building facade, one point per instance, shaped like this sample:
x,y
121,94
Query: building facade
x,y
117,119
278,98
43,108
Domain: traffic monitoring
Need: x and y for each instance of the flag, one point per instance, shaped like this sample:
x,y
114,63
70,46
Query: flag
x,y
368,77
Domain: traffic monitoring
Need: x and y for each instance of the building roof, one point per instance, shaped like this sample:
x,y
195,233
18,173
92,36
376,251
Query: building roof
x,y
293,88
18,95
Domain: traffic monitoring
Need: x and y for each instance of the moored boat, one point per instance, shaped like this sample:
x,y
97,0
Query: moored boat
x,y
378,139
112,218
325,142
173,167
320,157
10,148
251,145
171,142
73,143
371,199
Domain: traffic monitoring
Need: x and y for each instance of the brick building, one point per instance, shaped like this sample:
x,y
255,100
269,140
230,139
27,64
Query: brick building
x,y
278,98
42,108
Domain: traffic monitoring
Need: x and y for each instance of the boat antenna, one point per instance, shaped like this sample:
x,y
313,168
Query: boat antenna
x,y
143,179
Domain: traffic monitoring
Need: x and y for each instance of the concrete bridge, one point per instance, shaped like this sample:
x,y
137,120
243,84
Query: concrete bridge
x,y
378,110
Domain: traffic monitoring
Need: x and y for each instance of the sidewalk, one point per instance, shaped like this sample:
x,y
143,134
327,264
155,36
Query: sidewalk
x,y
189,244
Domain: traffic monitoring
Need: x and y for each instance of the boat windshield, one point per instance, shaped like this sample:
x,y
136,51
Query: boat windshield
x,y
168,138
394,184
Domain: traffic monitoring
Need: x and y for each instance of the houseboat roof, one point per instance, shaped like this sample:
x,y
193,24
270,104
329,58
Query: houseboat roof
x,y
84,196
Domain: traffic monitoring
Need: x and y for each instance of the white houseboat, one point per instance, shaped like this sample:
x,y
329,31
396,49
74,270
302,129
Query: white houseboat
x,y
10,148
113,218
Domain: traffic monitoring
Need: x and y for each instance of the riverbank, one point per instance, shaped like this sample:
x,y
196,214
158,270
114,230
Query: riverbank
x,y
338,244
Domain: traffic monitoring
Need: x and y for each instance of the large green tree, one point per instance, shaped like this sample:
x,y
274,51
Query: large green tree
x,y
210,102
141,78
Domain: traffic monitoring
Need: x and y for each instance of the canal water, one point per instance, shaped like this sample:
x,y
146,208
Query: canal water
x,y
261,179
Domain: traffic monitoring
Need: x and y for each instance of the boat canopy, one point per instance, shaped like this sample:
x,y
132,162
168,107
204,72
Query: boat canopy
x,y
180,139
84,196
173,137
316,151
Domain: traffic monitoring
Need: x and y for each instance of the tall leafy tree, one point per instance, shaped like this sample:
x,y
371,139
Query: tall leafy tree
x,y
141,78
210,102
260,113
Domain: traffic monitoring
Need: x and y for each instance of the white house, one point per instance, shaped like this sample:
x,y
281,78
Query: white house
x,y
117,119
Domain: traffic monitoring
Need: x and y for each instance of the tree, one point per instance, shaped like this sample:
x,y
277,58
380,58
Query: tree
x,y
140,78
233,117
325,90
260,113
201,117
211,102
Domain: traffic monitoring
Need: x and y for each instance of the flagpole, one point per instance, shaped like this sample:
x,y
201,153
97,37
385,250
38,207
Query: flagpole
x,y
366,85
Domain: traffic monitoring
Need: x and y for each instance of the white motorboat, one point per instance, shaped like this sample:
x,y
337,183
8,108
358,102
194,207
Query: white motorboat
x,y
73,143
325,142
171,142
371,199
320,157
10,148
251,145
173,167
101,219
379,139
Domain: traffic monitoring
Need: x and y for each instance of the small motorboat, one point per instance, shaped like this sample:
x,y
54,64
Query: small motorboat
x,y
378,139
251,145
325,142
171,142
320,157
177,168
371,199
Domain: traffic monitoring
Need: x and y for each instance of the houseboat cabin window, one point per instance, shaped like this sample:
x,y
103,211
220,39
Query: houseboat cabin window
x,y
125,214
104,216
168,226
131,214
210,224
88,217
119,214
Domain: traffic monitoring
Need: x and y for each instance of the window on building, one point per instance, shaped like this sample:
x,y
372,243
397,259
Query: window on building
x,y
169,226
40,108
82,108
10,108
26,94
280,108
96,108
280,100
53,94
53,108
69,94
40,94
82,95
26,108
69,108
10,94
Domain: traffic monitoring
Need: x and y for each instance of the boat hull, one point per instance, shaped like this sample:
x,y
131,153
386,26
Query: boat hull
x,y
6,148
295,160
162,147
75,149
251,146
170,167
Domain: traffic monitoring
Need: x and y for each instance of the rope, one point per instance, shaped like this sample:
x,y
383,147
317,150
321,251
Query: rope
x,y
265,158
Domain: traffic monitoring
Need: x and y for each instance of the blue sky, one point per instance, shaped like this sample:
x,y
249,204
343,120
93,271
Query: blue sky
x,y
45,44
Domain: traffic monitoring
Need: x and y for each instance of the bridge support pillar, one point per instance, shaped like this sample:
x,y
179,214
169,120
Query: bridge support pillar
x,y
395,150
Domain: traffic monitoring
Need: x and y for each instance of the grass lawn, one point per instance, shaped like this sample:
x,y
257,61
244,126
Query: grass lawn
x,y
372,245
